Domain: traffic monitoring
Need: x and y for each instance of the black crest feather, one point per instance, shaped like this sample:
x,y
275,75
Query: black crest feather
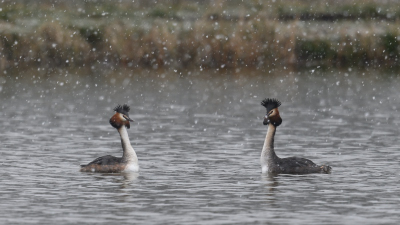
x,y
124,109
270,103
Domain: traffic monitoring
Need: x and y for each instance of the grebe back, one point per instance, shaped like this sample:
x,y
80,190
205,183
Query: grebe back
x,y
111,164
270,162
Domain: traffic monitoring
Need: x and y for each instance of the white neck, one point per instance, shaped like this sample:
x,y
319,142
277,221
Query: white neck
x,y
268,155
129,155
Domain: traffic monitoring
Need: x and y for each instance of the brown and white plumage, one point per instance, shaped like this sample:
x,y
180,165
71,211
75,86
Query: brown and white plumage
x,y
270,162
111,164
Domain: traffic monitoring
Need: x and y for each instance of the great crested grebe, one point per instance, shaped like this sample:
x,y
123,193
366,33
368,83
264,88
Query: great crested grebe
x,y
270,162
111,164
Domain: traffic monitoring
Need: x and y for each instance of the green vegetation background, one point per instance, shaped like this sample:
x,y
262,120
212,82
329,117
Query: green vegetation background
x,y
205,34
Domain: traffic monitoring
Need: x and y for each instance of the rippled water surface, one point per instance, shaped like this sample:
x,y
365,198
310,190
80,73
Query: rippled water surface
x,y
198,137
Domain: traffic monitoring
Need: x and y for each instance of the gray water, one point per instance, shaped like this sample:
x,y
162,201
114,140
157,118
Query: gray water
x,y
198,136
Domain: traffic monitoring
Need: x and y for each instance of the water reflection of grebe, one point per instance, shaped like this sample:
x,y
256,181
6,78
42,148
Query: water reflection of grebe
x,y
111,164
270,162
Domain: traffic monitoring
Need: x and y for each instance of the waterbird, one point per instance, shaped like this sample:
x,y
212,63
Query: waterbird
x,y
270,162
111,164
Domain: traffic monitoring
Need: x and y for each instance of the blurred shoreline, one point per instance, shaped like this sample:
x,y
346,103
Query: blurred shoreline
x,y
199,34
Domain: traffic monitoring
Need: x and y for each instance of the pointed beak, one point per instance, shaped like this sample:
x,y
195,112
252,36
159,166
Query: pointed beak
x,y
129,119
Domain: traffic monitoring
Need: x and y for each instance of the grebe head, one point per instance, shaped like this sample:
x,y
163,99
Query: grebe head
x,y
121,117
272,115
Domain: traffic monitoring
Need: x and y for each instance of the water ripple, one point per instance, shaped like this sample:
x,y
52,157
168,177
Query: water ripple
x,y
199,150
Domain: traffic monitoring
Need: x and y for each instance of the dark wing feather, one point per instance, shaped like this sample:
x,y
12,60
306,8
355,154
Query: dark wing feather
x,y
105,160
295,165
299,162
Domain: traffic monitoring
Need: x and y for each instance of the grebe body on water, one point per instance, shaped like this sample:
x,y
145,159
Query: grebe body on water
x,y
111,164
270,162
